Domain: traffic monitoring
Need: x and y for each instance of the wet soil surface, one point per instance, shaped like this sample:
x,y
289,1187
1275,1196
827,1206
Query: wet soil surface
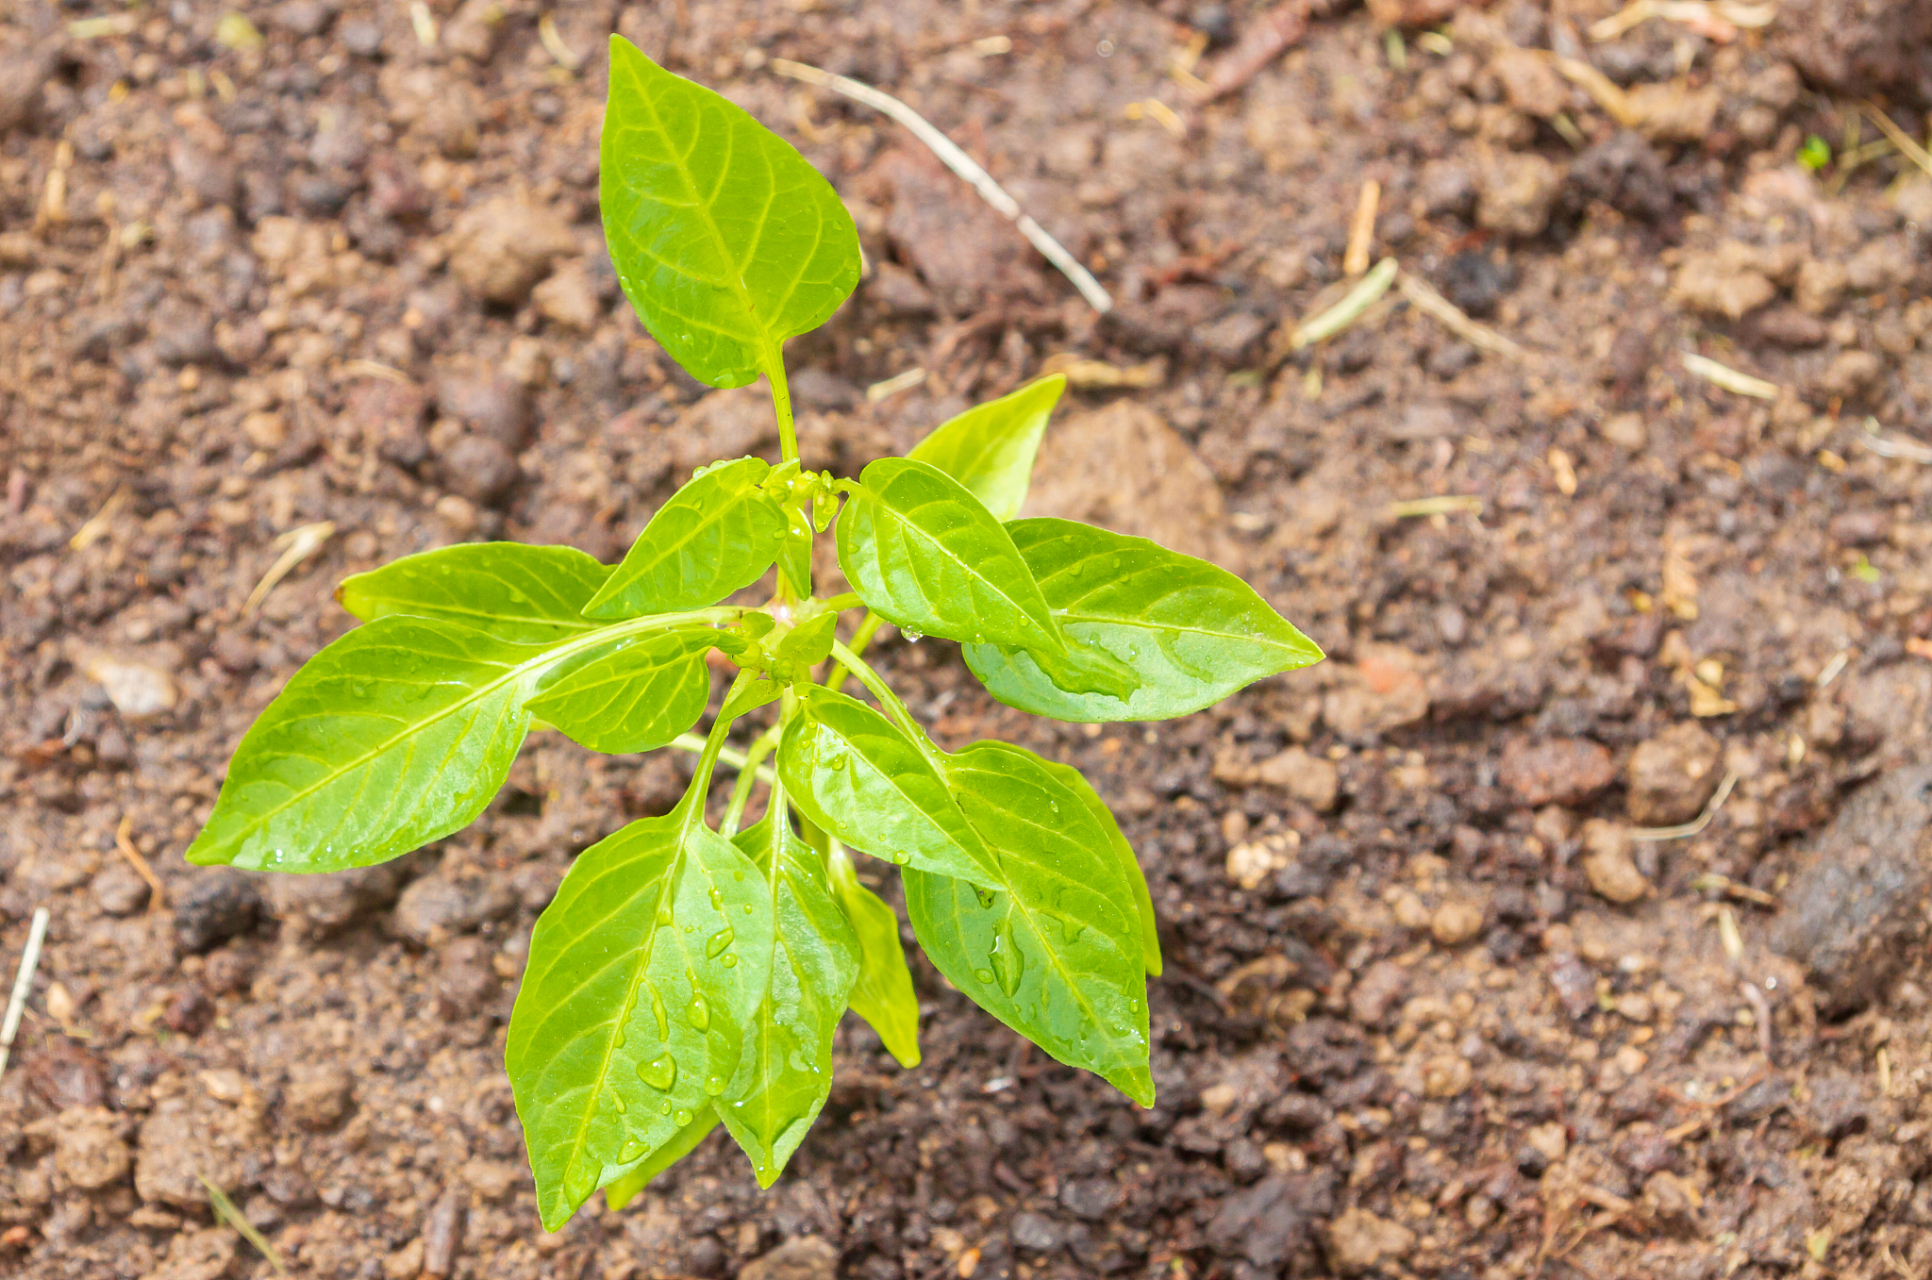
x,y
1435,1005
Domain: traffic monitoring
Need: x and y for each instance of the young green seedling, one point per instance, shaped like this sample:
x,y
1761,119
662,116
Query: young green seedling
x,y
689,975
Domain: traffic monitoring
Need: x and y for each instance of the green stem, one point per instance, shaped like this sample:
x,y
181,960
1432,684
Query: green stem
x,y
879,689
714,745
781,404
761,747
860,640
726,755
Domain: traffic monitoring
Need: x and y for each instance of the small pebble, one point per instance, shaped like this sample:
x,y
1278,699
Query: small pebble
x,y
1456,922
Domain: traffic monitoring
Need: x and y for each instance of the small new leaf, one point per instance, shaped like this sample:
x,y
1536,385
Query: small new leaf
x,y
1054,950
717,534
636,699
725,239
532,595
928,557
395,735
883,993
1193,632
785,1073
990,447
854,773
644,972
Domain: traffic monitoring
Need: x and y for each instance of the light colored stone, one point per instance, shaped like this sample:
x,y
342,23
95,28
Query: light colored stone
x,y
1308,778
1359,1242
1608,865
1252,863
1456,922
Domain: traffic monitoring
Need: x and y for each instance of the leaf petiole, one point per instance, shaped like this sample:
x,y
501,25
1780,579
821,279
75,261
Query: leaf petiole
x,y
726,755
878,688
861,640
781,404
751,769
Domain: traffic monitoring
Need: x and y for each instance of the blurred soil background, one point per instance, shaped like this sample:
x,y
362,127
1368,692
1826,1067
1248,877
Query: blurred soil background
x,y
318,283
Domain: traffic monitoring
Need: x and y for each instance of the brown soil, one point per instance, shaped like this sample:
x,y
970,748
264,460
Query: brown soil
x,y
1429,1009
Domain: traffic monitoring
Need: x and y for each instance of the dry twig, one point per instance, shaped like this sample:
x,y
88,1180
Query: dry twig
x,y
1426,300
124,842
1346,312
1908,148
1361,230
1695,825
1722,375
960,163
96,527
300,543
23,982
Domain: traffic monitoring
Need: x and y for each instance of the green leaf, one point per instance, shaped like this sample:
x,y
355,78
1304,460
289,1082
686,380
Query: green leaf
x,y
785,1073
749,695
928,557
1054,951
635,699
395,735
854,773
883,994
725,239
532,595
716,535
990,448
810,642
1192,631
1130,869
624,1187
644,972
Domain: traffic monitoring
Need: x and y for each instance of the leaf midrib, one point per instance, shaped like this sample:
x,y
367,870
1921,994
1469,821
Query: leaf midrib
x,y
906,522
735,280
411,728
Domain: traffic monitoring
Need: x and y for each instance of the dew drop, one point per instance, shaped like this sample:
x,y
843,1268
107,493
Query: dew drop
x,y
664,915
657,1012
739,876
683,1118
984,975
632,1150
719,941
714,1085
700,1013
729,962
664,1108
618,1104
660,1072
986,897
1008,964
747,908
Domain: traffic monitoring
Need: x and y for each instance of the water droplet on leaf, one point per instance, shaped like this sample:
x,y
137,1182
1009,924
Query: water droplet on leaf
x,y
660,1072
700,1013
719,941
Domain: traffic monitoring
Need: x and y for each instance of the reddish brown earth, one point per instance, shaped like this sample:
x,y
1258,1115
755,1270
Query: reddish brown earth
x,y
1430,1009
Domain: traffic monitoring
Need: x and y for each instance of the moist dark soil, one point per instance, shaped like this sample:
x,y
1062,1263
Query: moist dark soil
x,y
1437,1002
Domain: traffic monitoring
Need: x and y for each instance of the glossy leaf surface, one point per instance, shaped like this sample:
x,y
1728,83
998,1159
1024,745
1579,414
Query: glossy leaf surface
x,y
716,535
990,448
636,699
785,1072
857,775
644,971
928,557
532,595
1054,950
882,993
1193,632
725,239
395,735
1130,869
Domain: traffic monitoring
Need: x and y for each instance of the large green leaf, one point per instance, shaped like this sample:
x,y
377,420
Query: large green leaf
x,y
623,1188
854,773
928,557
990,447
1054,950
785,1073
395,735
635,699
1103,817
716,535
512,591
725,239
883,993
644,972
1193,632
